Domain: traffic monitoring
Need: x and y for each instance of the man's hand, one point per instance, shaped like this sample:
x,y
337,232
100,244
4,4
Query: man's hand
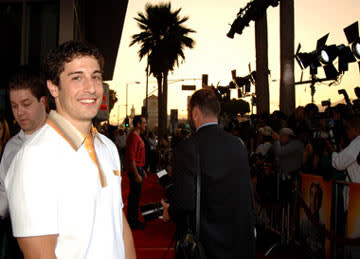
x,y
138,178
166,206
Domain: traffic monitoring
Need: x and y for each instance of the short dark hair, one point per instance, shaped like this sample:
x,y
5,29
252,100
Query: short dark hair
x,y
207,101
25,78
137,119
54,62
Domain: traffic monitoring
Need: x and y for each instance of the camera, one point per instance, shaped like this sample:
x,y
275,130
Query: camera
x,y
153,211
326,103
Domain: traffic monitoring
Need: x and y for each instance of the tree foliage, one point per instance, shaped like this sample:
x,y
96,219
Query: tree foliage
x,y
112,99
162,39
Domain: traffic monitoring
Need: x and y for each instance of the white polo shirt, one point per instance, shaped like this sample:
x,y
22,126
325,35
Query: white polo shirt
x,y
54,187
11,148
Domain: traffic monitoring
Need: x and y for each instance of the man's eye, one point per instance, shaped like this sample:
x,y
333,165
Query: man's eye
x,y
98,77
76,78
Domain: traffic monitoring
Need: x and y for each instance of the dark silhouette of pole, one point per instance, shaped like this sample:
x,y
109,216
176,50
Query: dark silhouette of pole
x,y
147,89
287,88
262,70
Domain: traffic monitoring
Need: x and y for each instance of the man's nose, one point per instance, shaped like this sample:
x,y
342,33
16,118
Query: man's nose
x,y
20,110
90,85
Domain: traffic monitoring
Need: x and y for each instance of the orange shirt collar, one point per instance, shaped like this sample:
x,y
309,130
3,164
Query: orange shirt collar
x,y
73,136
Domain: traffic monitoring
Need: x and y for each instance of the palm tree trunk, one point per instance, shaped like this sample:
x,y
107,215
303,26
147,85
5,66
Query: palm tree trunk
x,y
262,70
287,87
160,106
165,98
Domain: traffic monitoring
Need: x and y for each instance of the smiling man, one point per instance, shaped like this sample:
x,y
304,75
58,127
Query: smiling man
x,y
64,185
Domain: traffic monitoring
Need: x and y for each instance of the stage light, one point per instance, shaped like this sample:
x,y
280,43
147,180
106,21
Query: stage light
x,y
305,59
328,54
352,36
355,47
322,56
345,57
231,33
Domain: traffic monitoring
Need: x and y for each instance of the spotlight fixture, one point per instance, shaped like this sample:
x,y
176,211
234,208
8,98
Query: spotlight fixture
x,y
355,47
352,36
328,54
322,56
345,57
251,12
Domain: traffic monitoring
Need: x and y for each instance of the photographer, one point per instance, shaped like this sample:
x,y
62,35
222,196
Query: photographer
x,y
347,159
226,228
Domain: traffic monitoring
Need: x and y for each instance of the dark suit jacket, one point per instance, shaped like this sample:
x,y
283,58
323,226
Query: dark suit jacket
x,y
226,204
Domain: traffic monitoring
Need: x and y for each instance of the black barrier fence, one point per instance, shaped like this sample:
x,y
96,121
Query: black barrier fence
x,y
318,218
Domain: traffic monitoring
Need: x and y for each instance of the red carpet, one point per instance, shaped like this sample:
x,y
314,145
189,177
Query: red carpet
x,y
153,241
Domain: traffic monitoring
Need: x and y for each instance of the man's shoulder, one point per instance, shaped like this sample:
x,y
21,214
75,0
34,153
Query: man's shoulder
x,y
356,140
221,137
46,138
105,140
14,142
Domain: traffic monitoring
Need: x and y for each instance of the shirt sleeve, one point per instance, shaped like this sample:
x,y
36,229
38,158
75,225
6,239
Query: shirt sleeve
x,y
8,155
32,193
345,158
4,205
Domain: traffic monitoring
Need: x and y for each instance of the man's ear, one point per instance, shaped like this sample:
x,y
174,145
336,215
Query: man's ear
x,y
195,113
44,100
53,89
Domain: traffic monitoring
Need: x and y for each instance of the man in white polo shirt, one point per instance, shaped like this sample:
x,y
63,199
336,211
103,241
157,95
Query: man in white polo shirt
x,y
28,99
28,102
64,184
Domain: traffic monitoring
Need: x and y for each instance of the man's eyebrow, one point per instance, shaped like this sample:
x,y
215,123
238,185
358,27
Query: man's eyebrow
x,y
97,72
21,101
74,73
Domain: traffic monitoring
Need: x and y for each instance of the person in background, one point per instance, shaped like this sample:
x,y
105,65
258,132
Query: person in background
x,y
226,221
120,141
28,99
348,158
153,156
135,163
289,151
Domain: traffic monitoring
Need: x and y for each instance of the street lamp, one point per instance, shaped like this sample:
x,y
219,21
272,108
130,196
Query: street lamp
x,y
134,82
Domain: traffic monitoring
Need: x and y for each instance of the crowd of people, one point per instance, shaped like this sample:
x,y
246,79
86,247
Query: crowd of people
x,y
309,142
283,148
60,192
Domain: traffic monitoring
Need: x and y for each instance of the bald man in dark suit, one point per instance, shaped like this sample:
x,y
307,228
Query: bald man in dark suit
x,y
227,230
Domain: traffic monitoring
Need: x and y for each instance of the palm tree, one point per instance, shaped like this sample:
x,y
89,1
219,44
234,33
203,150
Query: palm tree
x,y
163,38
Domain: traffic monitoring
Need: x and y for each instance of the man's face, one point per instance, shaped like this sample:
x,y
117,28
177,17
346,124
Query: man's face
x,y
29,112
284,139
80,91
142,124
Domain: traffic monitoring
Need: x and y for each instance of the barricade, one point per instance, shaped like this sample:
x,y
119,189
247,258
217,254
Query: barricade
x,y
314,218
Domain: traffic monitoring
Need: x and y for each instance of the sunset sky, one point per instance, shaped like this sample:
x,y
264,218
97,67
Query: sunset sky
x,y
216,55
